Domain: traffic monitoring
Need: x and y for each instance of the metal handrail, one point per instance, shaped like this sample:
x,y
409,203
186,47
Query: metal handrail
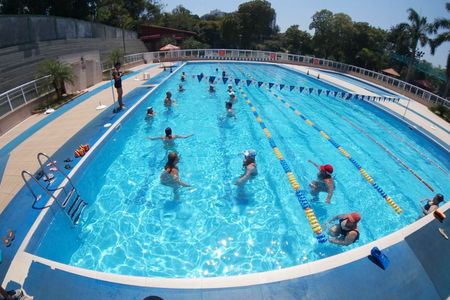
x,y
36,197
52,162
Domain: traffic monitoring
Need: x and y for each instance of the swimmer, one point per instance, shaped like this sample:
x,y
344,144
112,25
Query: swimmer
x,y
169,138
212,89
230,111
168,101
346,231
150,113
224,74
432,205
183,76
324,182
170,175
181,88
233,98
230,88
249,166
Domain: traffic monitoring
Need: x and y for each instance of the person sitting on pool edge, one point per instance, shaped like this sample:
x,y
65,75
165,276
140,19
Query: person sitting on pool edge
x,y
432,205
249,166
170,175
346,231
324,182
168,139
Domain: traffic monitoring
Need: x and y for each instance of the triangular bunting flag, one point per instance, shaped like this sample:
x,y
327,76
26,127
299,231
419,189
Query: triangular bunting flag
x,y
349,96
282,86
248,82
318,92
291,88
311,90
327,92
260,83
271,85
236,81
224,79
301,89
200,77
211,79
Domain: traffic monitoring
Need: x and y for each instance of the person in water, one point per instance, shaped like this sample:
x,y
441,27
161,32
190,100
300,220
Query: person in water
x,y
181,88
324,182
224,74
168,101
212,89
170,175
183,76
431,205
150,113
229,108
346,231
230,88
233,98
169,138
249,166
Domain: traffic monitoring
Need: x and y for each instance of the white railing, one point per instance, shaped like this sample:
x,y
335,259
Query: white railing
x,y
236,54
21,95
128,59
24,94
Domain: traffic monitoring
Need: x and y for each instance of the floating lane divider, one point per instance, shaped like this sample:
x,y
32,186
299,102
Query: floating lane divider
x,y
290,175
388,152
363,172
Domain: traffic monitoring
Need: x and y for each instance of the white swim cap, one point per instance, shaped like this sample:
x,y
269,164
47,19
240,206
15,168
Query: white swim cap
x,y
250,153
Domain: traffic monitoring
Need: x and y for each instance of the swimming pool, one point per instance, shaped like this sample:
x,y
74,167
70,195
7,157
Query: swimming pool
x,y
370,87
134,227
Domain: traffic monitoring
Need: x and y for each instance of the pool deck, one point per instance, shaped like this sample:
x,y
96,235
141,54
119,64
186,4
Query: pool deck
x,y
413,274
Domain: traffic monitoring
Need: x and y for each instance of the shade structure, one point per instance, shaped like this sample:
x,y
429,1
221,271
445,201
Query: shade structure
x,y
391,71
169,47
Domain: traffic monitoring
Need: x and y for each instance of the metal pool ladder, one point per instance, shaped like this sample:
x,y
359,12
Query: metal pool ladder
x,y
71,202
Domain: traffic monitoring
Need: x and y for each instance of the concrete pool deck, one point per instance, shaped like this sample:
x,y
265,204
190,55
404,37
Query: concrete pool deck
x,y
34,275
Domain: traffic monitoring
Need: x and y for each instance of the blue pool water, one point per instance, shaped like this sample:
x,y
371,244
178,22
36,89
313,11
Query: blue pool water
x,y
365,85
133,225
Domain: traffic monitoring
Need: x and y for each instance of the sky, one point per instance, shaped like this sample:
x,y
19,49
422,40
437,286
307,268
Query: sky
x,y
378,13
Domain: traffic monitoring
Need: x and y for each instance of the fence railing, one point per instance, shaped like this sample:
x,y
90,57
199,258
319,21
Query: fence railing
x,y
128,59
292,58
24,94
28,92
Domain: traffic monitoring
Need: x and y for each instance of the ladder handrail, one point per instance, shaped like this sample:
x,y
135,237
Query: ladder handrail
x,y
52,162
36,198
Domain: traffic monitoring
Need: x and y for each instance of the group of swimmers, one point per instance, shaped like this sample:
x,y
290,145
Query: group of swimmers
x,y
344,232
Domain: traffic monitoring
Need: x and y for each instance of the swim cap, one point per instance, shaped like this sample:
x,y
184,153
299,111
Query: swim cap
x,y
354,217
327,168
250,153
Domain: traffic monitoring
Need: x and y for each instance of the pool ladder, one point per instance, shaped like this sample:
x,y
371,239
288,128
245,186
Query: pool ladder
x,y
72,204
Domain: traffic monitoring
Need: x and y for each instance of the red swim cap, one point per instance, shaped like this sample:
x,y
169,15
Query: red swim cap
x,y
327,168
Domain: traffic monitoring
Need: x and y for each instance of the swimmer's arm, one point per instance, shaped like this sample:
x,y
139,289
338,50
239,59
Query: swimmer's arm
x,y
155,137
178,181
244,177
330,191
183,136
316,165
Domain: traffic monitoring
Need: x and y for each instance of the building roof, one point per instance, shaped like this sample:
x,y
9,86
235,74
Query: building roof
x,y
391,71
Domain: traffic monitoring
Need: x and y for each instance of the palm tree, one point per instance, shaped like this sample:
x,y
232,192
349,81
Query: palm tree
x,y
418,30
60,74
440,39
116,56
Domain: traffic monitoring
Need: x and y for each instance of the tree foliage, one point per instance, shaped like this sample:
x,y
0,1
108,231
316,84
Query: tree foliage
x,y
60,73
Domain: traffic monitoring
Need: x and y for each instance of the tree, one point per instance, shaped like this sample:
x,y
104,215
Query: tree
x,y
417,33
60,74
192,43
439,40
323,33
297,41
116,56
257,21
231,29
209,32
